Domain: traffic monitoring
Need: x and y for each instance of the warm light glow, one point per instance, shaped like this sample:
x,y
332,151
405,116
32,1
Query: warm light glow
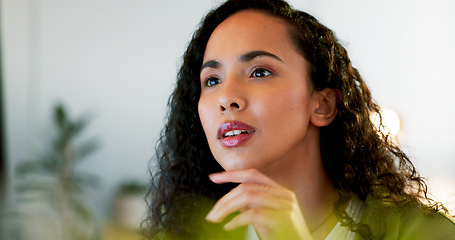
x,y
390,120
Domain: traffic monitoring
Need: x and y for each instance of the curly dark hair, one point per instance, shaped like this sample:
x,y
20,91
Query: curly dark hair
x,y
359,159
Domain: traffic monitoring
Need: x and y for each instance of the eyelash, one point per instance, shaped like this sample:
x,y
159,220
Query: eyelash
x,y
209,80
262,70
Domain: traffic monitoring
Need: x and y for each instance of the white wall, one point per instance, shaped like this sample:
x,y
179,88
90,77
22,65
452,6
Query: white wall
x,y
404,50
118,59
115,59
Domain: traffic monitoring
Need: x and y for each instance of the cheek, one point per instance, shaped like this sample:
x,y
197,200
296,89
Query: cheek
x,y
287,103
204,115
286,112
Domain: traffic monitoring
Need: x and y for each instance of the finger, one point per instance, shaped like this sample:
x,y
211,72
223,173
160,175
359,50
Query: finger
x,y
270,224
249,188
245,201
243,176
256,216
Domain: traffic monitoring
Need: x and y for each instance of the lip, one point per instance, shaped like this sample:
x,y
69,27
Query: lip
x,y
238,140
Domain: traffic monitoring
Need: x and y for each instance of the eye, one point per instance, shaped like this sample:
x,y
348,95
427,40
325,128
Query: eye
x,y
211,81
260,73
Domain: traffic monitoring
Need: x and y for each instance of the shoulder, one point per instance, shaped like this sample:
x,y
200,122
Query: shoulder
x,y
407,222
415,225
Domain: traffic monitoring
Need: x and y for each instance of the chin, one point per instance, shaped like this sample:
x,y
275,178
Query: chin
x,y
237,164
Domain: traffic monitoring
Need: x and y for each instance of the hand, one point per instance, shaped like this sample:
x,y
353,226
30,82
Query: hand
x,y
272,209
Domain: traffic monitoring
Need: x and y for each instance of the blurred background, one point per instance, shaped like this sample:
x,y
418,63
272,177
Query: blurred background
x,y
84,87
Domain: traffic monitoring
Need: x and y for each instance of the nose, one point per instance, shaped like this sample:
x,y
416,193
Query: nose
x,y
232,97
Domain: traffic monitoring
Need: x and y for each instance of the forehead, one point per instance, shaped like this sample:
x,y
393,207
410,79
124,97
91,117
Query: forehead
x,y
250,30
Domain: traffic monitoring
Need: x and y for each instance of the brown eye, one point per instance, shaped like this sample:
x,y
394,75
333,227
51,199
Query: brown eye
x,y
260,73
211,81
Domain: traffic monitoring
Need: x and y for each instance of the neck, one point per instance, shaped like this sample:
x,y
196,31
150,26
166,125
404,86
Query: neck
x,y
307,178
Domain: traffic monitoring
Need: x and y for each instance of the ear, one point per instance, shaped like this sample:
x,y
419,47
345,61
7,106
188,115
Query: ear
x,y
325,108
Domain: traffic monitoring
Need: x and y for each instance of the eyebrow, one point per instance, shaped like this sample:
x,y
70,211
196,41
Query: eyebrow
x,y
211,64
254,54
243,58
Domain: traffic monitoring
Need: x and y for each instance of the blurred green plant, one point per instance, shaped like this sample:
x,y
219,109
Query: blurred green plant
x,y
50,189
132,187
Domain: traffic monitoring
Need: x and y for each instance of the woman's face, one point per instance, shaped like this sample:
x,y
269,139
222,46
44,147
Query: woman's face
x,y
256,98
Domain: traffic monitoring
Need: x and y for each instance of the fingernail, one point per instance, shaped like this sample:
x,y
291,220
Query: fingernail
x,y
210,217
212,176
228,227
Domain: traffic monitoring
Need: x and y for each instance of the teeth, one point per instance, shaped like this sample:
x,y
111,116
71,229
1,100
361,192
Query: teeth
x,y
235,133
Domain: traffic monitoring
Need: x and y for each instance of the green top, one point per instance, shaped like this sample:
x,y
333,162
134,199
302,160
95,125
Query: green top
x,y
406,223
385,223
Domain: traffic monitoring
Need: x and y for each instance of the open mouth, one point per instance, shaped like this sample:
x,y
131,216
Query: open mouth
x,y
236,133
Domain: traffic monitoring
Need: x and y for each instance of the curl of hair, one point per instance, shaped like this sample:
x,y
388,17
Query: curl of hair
x,y
359,159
